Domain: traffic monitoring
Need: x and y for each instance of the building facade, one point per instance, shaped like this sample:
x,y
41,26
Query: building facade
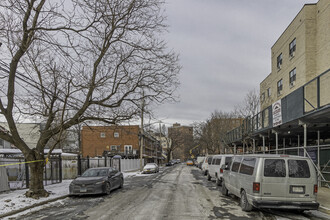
x,y
123,140
116,140
300,54
182,140
295,96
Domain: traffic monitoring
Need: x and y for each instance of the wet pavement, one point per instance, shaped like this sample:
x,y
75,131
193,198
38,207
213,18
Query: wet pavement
x,y
177,192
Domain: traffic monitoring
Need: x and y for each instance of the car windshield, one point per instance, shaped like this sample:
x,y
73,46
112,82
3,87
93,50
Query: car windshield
x,y
150,166
95,172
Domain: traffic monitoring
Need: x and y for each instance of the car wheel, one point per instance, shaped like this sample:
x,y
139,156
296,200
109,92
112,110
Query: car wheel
x,y
245,205
121,183
224,190
209,177
107,188
205,173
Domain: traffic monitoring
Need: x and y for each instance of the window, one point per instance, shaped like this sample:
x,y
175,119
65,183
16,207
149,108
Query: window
x,y
269,92
209,160
279,87
128,149
292,48
298,169
274,168
292,77
279,61
116,134
227,160
102,135
114,147
236,163
247,166
218,161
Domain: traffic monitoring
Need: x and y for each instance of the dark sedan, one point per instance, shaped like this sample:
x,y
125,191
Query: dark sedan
x,y
97,181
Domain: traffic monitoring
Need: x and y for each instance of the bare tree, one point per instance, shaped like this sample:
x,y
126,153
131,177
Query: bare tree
x,y
74,61
250,105
211,135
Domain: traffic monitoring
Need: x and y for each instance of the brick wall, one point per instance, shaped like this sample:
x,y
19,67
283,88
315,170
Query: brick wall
x,y
97,139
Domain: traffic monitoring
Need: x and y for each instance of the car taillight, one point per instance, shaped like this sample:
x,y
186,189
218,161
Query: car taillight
x,y
315,189
221,170
256,187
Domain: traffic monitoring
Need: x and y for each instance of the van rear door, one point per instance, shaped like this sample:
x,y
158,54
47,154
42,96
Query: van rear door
x,y
274,181
302,178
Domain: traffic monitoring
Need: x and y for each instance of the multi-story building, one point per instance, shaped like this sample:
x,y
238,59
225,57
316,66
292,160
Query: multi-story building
x,y
299,55
121,140
295,96
182,140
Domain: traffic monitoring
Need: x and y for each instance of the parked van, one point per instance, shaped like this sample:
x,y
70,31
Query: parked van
x,y
215,170
199,161
205,165
272,181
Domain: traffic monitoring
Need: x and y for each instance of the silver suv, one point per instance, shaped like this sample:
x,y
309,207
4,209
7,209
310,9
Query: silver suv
x,y
271,181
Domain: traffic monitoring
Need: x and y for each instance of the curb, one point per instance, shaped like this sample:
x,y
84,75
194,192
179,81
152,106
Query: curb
x,y
31,206
324,209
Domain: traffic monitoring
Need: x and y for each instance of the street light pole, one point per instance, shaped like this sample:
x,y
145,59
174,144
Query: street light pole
x,y
142,133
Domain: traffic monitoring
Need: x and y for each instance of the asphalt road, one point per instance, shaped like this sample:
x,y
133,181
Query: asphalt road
x,y
177,192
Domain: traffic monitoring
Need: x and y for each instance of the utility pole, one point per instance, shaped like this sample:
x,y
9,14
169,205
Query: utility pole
x,y
142,133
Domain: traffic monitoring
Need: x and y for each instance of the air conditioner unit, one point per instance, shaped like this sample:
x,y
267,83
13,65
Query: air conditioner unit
x,y
292,83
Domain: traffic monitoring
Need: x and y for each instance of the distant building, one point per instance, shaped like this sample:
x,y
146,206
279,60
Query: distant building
x,y
182,140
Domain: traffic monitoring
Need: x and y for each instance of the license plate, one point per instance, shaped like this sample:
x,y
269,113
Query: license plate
x,y
83,189
298,189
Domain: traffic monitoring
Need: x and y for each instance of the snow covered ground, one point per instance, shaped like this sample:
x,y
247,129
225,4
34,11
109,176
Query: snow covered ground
x,y
15,199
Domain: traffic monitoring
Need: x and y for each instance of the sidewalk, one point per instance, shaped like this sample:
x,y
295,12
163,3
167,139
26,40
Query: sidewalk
x,y
323,197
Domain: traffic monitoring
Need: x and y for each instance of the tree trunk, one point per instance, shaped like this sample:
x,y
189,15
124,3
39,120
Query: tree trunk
x,y
36,187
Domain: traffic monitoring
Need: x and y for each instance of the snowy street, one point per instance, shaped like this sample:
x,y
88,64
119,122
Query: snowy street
x,y
177,192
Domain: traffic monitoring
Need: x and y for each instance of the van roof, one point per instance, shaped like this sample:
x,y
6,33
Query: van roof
x,y
220,155
270,155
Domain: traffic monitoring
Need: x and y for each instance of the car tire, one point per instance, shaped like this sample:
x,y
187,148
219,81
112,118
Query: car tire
x,y
209,177
205,172
245,205
224,190
107,188
217,181
121,185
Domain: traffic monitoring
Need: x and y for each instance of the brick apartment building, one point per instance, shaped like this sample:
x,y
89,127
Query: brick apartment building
x,y
182,140
121,140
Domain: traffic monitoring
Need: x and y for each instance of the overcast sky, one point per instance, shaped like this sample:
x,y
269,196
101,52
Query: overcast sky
x,y
225,51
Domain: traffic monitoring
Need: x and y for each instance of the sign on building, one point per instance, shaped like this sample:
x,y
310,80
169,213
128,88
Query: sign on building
x,y
277,113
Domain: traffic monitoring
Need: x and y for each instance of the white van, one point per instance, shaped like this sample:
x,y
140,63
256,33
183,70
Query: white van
x,y
272,181
215,170
205,165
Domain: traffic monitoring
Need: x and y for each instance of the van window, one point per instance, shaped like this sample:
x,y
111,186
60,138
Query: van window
x,y
236,164
227,160
213,161
274,168
247,166
298,169
209,160
218,161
